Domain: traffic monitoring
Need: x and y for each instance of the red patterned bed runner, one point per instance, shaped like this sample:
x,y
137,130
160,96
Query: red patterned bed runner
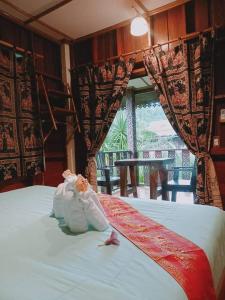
x,y
182,259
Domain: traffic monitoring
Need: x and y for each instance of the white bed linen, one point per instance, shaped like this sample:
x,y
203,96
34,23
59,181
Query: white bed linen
x,y
39,261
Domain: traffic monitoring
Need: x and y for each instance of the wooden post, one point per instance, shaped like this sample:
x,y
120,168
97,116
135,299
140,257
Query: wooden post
x,y
131,122
70,148
131,125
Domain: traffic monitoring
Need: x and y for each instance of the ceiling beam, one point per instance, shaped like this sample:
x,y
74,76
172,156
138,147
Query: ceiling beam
x,y
141,5
26,14
47,11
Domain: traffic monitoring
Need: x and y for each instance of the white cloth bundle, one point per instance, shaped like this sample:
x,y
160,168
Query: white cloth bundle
x,y
74,216
79,209
63,193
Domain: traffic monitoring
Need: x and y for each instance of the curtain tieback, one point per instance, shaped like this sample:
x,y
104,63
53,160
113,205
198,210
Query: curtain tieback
x,y
202,155
90,161
91,171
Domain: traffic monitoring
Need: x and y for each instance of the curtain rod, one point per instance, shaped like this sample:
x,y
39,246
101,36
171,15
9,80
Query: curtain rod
x,y
185,37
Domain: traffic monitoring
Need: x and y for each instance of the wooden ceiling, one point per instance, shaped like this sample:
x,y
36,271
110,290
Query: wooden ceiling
x,y
73,19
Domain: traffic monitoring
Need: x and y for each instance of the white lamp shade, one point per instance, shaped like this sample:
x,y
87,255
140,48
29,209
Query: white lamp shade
x,y
138,26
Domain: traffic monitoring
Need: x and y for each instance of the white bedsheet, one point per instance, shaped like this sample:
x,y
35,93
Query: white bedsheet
x,y
40,262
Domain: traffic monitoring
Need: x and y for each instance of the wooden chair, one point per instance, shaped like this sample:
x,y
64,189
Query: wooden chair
x,y
182,185
106,179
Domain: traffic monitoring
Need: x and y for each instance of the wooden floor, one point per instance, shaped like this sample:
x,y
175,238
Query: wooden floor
x,y
143,192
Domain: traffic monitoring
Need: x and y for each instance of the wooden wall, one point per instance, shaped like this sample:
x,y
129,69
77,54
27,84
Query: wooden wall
x,y
218,152
48,62
118,41
195,15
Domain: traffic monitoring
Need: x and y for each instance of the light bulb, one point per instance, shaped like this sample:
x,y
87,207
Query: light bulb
x,y
138,26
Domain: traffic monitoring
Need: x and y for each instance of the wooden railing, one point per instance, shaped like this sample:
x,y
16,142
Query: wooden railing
x,y
182,158
109,157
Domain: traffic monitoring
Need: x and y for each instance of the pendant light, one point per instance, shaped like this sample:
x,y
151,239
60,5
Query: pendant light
x,y
138,26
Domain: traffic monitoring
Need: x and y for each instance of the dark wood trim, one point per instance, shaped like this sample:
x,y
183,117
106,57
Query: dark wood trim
x,y
167,7
141,5
19,181
219,97
143,90
47,11
138,72
49,76
28,27
217,151
38,31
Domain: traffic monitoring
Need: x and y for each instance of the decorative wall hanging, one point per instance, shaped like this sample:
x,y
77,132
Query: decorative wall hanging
x,y
21,143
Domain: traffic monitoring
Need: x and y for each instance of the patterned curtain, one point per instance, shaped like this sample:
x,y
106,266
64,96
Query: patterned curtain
x,y
184,78
21,146
101,89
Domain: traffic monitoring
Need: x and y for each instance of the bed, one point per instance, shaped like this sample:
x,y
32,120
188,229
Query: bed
x,y
40,260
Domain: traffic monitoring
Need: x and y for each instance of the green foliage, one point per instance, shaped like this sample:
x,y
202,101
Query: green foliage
x,y
117,137
147,138
144,137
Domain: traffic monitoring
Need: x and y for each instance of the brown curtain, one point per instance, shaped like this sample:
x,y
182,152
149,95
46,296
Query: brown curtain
x,y
21,146
184,79
100,92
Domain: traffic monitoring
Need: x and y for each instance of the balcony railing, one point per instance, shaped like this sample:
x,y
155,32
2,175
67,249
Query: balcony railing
x,y
182,158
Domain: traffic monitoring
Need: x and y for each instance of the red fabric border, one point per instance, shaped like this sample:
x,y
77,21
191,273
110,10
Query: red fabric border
x,y
182,259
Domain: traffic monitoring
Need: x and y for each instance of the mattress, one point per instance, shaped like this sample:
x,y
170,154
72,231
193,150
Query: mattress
x,y
40,260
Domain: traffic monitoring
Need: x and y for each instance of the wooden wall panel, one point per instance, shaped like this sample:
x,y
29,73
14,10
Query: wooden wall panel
x,y
198,15
159,28
176,22
218,12
202,15
127,43
220,68
190,16
7,30
219,128
54,170
164,26
55,157
104,46
168,25
50,62
218,153
220,167
82,51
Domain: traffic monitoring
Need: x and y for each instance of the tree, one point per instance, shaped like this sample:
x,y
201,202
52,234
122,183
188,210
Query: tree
x,y
145,136
117,136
